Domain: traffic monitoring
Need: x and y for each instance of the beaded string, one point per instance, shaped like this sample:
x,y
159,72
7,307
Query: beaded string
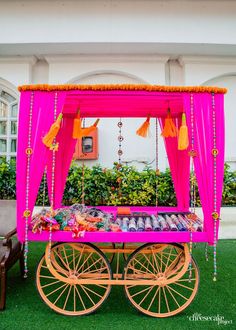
x,y
120,153
27,212
53,177
215,215
206,252
82,179
44,185
120,139
157,162
192,154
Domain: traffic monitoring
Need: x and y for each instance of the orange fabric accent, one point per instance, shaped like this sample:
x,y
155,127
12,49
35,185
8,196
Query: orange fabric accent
x,y
54,129
78,131
143,130
123,210
169,129
87,130
183,141
76,126
148,88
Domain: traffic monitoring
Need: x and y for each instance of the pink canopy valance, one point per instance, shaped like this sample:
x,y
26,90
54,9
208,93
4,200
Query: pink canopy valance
x,y
43,104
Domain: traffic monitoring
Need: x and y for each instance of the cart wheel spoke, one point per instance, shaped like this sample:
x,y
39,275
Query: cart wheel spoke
x,y
80,298
65,288
67,297
154,297
59,285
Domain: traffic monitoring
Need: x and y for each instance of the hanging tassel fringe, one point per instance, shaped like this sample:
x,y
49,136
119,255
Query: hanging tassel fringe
x,y
78,131
85,131
183,141
76,126
169,129
54,129
143,130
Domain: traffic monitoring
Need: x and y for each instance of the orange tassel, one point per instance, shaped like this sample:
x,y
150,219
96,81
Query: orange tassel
x,y
54,129
183,141
87,130
143,130
76,126
78,131
169,129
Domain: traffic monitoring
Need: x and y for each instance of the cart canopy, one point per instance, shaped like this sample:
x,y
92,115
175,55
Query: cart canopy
x,y
205,119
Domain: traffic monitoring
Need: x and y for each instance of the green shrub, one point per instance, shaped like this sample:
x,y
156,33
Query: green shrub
x,y
229,191
7,179
114,186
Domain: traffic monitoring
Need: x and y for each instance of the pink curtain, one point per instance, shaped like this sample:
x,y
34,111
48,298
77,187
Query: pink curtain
x,y
63,160
42,103
64,154
42,118
179,163
203,145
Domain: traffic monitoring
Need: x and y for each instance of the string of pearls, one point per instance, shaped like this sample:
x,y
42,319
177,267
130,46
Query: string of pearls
x,y
192,153
27,212
44,185
157,162
120,153
215,215
53,176
83,172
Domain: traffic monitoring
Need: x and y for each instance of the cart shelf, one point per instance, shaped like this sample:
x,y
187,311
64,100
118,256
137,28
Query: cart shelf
x,y
122,237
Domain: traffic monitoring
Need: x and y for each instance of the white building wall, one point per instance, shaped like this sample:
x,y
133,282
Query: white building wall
x,y
16,70
118,21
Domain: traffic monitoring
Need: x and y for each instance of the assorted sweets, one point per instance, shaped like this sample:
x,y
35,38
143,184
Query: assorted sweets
x,y
78,219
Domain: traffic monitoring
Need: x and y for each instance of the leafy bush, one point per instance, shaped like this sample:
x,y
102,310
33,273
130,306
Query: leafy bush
x,y
123,185
118,186
7,179
229,191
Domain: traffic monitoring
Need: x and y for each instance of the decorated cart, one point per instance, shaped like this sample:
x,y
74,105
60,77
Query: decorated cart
x,y
152,245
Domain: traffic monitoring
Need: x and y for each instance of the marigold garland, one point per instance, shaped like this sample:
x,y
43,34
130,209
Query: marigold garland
x,y
125,87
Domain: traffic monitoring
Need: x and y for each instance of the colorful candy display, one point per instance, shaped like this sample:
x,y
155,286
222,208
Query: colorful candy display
x,y
78,219
162,222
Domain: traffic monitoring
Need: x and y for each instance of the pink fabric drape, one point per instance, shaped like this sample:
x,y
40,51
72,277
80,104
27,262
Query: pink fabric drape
x,y
179,163
64,153
63,160
203,145
43,116
41,104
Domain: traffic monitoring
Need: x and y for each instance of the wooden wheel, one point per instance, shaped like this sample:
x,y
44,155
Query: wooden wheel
x,y
133,246
59,272
168,266
106,246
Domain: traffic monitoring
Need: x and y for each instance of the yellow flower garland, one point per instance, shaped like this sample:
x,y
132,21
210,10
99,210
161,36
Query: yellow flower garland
x,y
125,87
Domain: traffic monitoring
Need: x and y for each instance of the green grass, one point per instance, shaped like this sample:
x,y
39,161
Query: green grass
x,y
25,309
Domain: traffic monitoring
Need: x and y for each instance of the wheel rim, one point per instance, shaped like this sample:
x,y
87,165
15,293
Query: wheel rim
x,y
172,293
104,246
134,246
58,284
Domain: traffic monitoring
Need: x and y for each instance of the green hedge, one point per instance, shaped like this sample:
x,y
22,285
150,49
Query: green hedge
x,y
101,186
